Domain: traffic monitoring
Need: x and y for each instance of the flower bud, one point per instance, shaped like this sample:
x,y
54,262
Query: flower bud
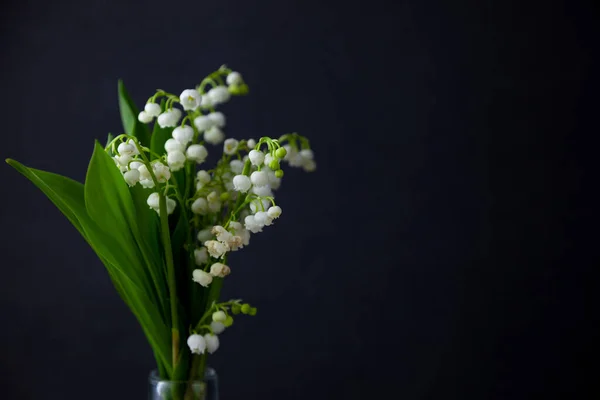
x,y
212,342
274,164
252,311
197,344
224,196
219,316
201,277
251,143
212,197
228,321
236,309
183,134
280,152
245,308
197,152
201,256
152,109
217,327
279,173
234,78
257,157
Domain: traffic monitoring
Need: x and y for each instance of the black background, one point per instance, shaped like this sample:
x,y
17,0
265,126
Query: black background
x,y
443,249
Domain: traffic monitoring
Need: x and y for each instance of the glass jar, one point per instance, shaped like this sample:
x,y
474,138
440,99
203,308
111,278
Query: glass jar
x,y
208,389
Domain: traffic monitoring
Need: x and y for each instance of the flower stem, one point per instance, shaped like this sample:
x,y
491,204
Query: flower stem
x,y
166,239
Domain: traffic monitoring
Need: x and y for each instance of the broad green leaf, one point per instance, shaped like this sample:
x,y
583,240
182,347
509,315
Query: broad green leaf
x,y
109,203
69,196
129,117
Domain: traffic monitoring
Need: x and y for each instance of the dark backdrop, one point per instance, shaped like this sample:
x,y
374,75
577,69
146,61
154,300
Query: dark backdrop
x,y
443,250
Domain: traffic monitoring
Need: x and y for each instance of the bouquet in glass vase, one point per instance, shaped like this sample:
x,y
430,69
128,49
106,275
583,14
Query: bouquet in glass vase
x,y
163,222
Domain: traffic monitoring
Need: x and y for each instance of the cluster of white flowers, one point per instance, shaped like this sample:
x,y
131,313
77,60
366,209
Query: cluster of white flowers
x,y
231,201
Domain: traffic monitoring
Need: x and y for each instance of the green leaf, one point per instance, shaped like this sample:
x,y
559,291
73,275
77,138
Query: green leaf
x,y
129,117
69,196
110,204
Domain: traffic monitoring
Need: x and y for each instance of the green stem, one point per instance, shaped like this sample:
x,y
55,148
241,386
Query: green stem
x,y
166,239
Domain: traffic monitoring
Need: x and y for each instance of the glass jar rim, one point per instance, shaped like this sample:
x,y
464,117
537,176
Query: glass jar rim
x,y
209,375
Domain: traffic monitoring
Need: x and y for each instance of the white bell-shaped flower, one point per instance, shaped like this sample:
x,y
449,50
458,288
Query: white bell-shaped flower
x,y
126,149
218,95
144,117
161,172
219,270
206,102
274,212
214,135
183,134
216,249
201,277
204,235
203,176
217,327
169,118
212,342
202,123
174,145
132,177
262,191
197,153
251,143
197,344
259,178
152,109
176,160
237,166
136,165
153,201
251,224
241,183
257,157
262,218
200,206
219,316
190,99
230,146
201,256
217,119
234,78
171,204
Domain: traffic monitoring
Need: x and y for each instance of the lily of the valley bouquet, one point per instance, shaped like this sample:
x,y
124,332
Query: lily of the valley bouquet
x,y
163,222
